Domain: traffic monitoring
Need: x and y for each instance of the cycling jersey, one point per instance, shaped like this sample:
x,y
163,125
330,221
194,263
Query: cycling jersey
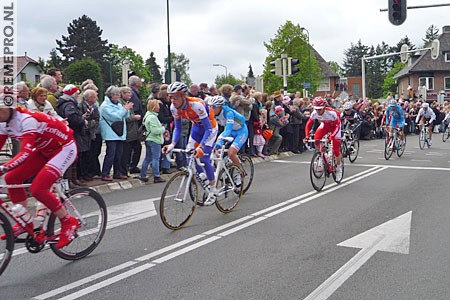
x,y
47,150
330,123
395,116
235,126
427,114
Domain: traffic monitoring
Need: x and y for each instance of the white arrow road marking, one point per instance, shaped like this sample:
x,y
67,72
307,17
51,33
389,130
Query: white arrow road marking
x,y
392,236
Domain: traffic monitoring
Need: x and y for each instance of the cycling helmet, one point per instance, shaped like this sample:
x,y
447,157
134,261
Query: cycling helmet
x,y
425,105
215,101
319,103
176,87
393,102
348,105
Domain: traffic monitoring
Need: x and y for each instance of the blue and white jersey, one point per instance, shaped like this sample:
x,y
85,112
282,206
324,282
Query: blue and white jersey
x,y
231,119
395,113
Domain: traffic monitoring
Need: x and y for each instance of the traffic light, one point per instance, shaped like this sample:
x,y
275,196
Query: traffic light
x,y
397,11
292,69
278,64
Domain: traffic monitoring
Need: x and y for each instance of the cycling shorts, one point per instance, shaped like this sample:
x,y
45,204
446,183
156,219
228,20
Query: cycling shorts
x,y
240,137
397,123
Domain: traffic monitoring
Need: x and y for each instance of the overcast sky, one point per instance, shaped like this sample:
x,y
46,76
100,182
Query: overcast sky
x,y
227,32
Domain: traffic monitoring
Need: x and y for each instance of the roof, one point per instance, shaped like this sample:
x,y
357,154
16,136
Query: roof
x,y
327,71
22,62
425,63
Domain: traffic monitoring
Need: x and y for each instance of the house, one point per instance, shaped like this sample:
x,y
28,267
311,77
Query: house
x,y
28,70
423,71
330,79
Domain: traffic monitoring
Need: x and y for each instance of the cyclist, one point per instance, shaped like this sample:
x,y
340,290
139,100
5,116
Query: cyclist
x,y
47,150
330,122
234,126
395,117
204,128
426,116
350,116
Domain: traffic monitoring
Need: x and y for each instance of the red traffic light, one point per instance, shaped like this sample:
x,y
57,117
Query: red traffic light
x,y
397,11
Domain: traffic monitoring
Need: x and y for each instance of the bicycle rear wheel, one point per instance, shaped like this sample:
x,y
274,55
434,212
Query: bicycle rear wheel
x,y
402,146
178,200
388,147
230,190
90,208
317,171
422,139
248,168
353,151
7,245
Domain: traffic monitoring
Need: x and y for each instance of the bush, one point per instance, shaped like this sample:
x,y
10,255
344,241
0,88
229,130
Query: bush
x,y
86,68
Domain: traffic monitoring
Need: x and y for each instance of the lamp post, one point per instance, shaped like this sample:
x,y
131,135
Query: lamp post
x,y
309,57
169,67
226,70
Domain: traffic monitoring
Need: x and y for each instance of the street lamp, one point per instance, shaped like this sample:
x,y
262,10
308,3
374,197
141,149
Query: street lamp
x,y
169,67
309,56
226,70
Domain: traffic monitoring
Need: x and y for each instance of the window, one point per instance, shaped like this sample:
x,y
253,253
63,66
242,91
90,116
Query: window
x,y
428,82
447,83
356,87
447,56
324,85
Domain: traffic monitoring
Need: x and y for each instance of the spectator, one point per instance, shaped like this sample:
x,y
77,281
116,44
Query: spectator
x,y
138,110
277,121
132,132
153,142
194,91
213,90
90,163
57,74
67,108
226,90
49,83
204,89
23,93
111,110
296,121
166,119
238,89
39,102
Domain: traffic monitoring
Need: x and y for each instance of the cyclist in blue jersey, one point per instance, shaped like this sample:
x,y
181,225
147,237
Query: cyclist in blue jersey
x,y
395,117
234,123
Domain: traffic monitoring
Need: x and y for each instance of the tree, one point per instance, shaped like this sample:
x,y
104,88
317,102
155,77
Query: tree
x,y
117,57
352,60
290,39
431,34
336,68
390,84
250,72
181,64
153,69
55,60
86,68
397,48
84,40
230,79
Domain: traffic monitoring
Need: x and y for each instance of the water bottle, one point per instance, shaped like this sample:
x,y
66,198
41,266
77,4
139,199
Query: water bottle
x,y
329,157
42,212
23,214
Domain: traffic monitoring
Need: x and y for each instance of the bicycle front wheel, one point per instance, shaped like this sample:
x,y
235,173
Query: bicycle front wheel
x,y
402,146
178,200
6,245
317,171
388,147
230,188
445,135
422,139
248,168
336,179
90,208
353,151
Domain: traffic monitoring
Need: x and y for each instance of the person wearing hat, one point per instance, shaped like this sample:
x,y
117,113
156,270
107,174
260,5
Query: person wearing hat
x,y
237,89
67,108
48,148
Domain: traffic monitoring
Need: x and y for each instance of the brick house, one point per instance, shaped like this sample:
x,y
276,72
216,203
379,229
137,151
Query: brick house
x,y
422,71
329,77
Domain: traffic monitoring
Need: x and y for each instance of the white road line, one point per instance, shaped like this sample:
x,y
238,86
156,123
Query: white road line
x,y
249,220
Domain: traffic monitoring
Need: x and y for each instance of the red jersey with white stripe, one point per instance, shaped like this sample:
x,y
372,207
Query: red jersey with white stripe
x,y
37,132
330,118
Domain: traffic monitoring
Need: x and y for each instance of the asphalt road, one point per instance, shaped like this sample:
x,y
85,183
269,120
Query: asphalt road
x,y
381,234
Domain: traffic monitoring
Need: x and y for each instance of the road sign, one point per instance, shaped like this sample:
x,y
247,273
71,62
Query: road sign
x,y
306,85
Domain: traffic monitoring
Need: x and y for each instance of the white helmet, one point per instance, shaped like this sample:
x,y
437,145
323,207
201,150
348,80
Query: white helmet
x,y
176,87
215,101
348,105
426,105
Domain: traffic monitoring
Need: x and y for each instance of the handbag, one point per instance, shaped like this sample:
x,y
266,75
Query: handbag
x,y
116,126
142,132
267,134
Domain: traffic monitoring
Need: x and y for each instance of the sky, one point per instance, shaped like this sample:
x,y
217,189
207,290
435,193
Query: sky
x,y
227,32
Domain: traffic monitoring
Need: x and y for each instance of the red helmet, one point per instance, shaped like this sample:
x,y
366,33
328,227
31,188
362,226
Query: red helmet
x,y
319,102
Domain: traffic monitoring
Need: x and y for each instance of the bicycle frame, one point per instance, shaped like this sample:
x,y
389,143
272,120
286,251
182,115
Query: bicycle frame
x,y
324,147
60,188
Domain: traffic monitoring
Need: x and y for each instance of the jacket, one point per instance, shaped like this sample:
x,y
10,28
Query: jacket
x,y
112,112
154,128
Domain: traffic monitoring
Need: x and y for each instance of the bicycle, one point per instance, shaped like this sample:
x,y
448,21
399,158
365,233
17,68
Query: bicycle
x,y
181,193
247,167
446,133
349,143
396,143
323,163
84,203
424,137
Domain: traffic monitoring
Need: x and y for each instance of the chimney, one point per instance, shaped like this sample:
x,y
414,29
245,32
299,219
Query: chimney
x,y
446,29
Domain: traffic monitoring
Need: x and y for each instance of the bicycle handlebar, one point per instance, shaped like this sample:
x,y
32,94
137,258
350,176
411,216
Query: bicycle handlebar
x,y
188,152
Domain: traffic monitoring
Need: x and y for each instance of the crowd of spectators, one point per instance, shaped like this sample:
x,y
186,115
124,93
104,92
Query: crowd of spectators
x,y
276,122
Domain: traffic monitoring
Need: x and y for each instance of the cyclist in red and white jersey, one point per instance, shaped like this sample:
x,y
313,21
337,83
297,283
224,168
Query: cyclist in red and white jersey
x,y
330,122
47,150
